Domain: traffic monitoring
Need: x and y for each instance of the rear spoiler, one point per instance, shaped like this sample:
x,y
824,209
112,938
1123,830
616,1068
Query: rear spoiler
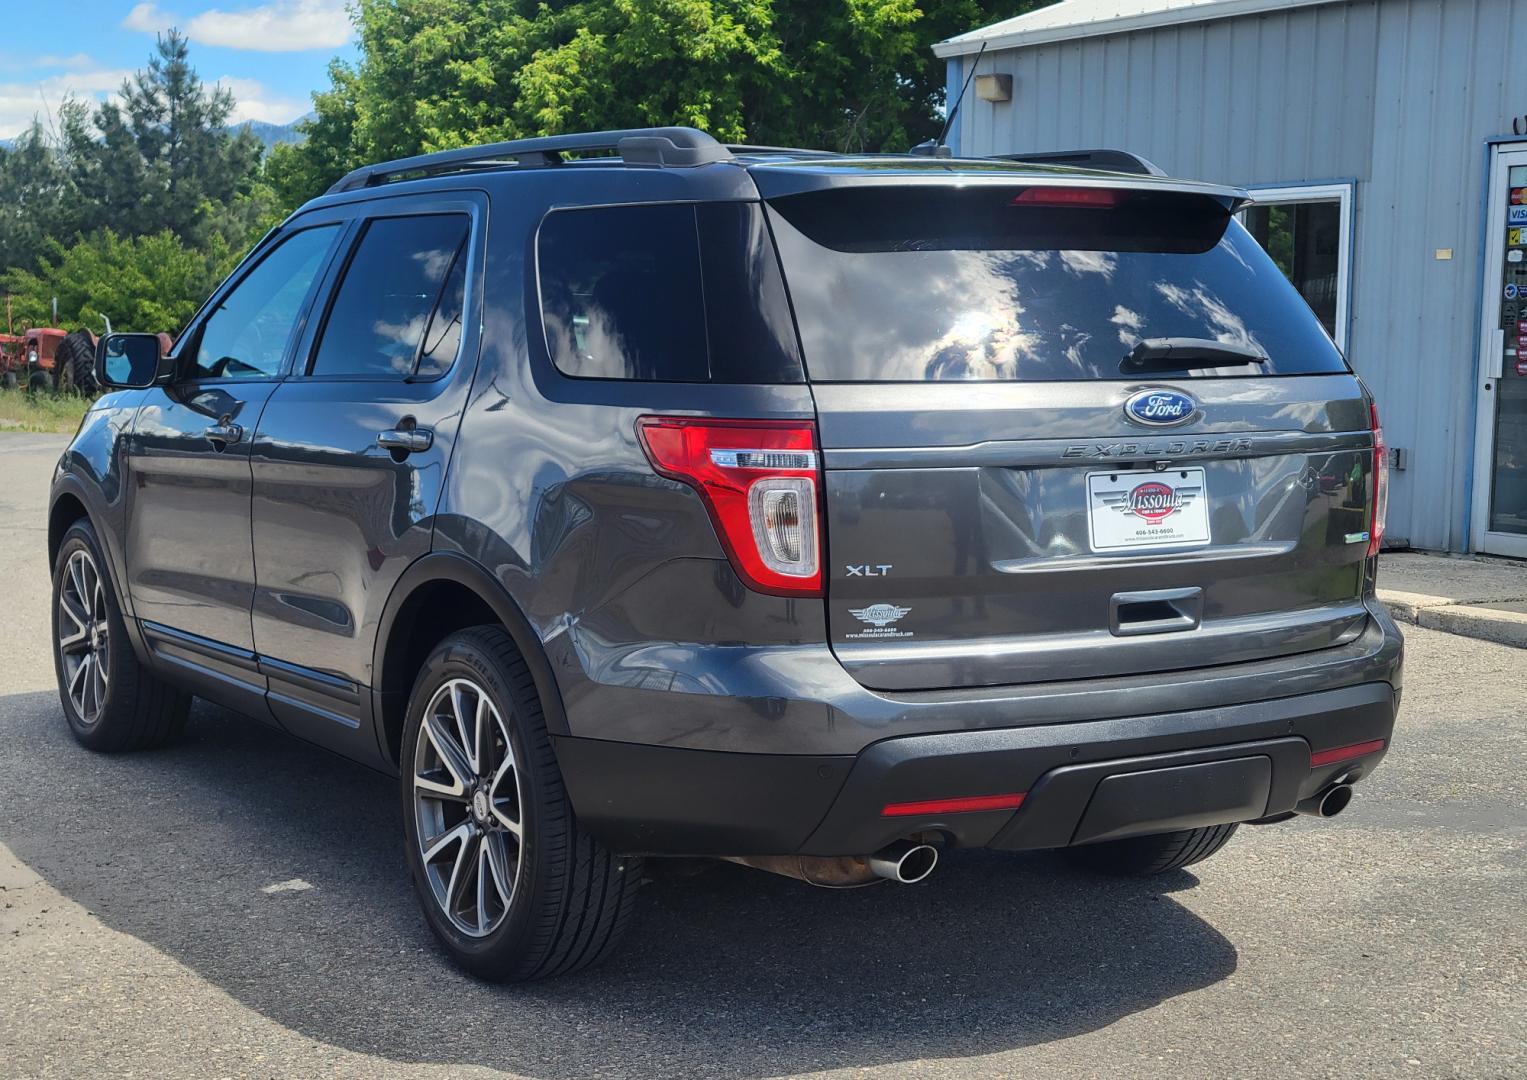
x,y
1108,160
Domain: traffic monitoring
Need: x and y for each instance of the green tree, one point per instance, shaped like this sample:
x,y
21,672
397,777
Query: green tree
x,y
38,201
162,158
433,74
148,283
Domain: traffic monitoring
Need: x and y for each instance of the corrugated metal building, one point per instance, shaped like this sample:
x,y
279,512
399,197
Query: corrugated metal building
x,y
1378,136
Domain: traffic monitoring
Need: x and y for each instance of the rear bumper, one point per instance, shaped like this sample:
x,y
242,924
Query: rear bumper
x,y
1082,781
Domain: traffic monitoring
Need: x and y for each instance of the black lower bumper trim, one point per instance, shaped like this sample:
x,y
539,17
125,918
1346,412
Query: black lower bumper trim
x,y
1085,781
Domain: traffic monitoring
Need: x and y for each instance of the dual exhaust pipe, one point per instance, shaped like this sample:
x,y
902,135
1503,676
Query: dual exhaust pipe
x,y
1328,803
904,862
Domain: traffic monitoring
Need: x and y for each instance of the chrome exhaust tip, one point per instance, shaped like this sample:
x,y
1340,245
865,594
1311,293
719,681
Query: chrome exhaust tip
x,y
904,862
1328,803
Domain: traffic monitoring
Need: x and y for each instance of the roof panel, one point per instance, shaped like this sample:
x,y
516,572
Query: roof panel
x,y
1091,18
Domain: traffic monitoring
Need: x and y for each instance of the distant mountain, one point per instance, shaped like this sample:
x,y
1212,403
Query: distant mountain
x,y
274,134
268,134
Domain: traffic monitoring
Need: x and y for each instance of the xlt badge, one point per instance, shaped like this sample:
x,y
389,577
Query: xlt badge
x,y
869,570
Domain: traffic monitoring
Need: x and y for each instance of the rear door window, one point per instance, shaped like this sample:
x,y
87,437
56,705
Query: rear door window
x,y
920,285
676,292
397,311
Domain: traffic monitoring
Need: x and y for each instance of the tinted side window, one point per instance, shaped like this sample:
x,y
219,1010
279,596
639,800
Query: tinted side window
x,y
388,296
673,293
620,293
246,336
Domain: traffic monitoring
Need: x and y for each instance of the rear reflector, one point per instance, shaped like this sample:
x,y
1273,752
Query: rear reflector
x,y
1097,198
966,805
760,484
1345,753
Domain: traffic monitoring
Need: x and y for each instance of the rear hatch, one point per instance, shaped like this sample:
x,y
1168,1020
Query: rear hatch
x,y
1070,427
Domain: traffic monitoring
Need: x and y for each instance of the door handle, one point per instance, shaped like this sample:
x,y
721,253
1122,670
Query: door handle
x,y
407,440
224,432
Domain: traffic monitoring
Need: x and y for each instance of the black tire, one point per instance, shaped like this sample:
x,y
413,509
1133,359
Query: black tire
x,y
8,380
39,382
136,709
75,363
570,899
1145,856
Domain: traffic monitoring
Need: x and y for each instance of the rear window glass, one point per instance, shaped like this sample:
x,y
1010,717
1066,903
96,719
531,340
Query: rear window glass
x,y
913,285
667,293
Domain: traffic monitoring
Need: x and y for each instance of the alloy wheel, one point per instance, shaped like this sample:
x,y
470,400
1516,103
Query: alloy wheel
x,y
84,639
467,807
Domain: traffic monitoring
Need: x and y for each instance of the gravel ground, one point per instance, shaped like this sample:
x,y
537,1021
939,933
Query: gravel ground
x,y
140,936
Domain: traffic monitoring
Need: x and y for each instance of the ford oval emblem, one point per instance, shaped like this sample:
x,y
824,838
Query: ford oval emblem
x,y
1159,407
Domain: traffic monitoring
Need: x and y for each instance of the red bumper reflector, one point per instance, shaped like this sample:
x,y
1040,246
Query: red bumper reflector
x,y
953,806
1345,753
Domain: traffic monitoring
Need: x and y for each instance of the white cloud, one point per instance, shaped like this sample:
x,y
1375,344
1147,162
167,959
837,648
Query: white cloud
x,y
77,62
276,26
21,102
252,101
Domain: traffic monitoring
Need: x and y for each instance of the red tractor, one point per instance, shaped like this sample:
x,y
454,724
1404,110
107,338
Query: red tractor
x,y
43,358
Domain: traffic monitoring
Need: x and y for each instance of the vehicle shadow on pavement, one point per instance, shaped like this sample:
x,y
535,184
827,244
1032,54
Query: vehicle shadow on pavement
x,y
731,973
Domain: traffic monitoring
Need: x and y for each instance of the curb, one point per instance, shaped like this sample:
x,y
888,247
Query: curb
x,y
1475,620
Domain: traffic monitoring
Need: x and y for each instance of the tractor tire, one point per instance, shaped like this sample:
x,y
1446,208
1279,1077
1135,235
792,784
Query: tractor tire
x,y
39,382
75,364
8,380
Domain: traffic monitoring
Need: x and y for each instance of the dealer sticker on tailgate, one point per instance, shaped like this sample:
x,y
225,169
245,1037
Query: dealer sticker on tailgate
x,y
1128,510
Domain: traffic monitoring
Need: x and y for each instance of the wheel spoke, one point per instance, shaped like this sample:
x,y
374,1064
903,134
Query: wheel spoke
x,y
98,680
483,874
498,862
510,823
480,736
81,632
77,682
459,713
451,757
461,870
77,576
440,843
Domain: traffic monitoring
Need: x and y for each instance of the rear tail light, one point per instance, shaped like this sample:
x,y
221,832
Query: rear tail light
x,y
1380,483
760,483
1096,198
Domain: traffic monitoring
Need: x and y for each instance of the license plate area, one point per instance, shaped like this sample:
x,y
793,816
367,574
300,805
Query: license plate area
x,y
1145,510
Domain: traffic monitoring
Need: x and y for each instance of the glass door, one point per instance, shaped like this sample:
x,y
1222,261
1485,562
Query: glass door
x,y
1500,510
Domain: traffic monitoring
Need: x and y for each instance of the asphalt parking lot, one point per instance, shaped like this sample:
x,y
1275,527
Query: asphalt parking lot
x,y
139,935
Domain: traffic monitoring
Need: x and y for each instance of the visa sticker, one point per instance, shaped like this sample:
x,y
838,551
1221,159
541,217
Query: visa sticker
x,y
1516,215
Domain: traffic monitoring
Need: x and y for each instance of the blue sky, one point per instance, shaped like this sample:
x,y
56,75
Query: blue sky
x,y
271,53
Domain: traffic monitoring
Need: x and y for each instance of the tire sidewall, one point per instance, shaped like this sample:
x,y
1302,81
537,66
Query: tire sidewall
x,y
459,658
81,537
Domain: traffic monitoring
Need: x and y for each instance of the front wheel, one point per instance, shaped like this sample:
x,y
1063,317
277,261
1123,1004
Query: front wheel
x,y
112,702
1146,856
511,885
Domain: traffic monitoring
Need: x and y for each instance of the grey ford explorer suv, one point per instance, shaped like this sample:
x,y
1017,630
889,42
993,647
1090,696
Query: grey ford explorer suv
x,y
631,495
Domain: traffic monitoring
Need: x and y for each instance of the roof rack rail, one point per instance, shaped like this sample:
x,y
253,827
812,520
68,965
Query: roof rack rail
x,y
750,148
1110,160
679,147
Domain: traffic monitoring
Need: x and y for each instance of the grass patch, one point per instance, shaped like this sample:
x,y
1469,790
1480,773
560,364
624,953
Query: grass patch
x,y
49,413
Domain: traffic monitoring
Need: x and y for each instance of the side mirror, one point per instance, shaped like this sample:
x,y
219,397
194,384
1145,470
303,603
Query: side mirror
x,y
129,361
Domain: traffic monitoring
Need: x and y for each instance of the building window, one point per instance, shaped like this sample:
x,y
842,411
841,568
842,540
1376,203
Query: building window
x,y
1308,232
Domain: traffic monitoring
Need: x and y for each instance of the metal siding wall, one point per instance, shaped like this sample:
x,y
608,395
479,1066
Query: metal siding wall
x,y
1399,95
